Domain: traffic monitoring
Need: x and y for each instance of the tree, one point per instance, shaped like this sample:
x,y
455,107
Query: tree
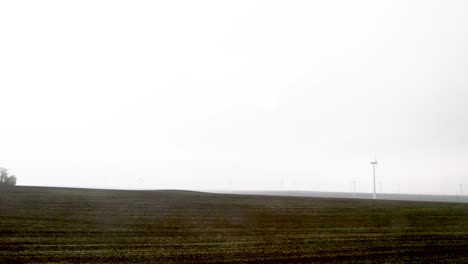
x,y
6,179
3,175
11,180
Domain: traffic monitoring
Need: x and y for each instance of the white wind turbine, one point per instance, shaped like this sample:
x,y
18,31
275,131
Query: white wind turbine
x,y
374,163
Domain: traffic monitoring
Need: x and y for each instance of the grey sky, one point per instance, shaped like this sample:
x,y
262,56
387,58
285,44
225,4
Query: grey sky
x,y
235,94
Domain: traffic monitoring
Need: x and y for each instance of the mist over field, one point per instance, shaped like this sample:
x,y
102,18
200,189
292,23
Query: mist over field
x,y
233,131
248,95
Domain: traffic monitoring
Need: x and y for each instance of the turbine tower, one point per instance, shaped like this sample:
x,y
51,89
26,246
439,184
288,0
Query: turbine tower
x,y
354,188
374,163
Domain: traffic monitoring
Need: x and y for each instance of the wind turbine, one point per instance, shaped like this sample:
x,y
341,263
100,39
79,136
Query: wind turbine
x,y
374,163
354,188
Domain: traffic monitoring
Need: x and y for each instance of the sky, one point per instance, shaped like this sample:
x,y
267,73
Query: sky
x,y
235,95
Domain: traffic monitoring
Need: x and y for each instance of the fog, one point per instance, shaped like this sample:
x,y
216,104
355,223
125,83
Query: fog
x,y
241,95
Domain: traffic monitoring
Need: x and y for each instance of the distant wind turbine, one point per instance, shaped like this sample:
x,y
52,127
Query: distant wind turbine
x,y
374,163
354,188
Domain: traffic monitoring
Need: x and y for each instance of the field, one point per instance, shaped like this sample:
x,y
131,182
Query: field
x,y
59,225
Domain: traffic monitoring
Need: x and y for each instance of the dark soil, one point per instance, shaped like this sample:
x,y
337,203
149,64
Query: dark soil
x,y
59,225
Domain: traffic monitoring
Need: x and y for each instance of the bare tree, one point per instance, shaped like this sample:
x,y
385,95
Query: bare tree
x,y
6,179
3,175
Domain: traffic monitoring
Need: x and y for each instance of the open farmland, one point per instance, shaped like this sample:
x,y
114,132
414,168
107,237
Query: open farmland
x,y
60,225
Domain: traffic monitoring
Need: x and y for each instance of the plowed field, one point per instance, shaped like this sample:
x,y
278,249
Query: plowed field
x,y
60,225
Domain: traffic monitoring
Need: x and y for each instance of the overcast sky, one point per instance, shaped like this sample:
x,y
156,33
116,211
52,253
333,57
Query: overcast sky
x,y
245,95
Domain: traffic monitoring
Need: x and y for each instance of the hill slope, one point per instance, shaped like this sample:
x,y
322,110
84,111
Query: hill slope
x,y
39,224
